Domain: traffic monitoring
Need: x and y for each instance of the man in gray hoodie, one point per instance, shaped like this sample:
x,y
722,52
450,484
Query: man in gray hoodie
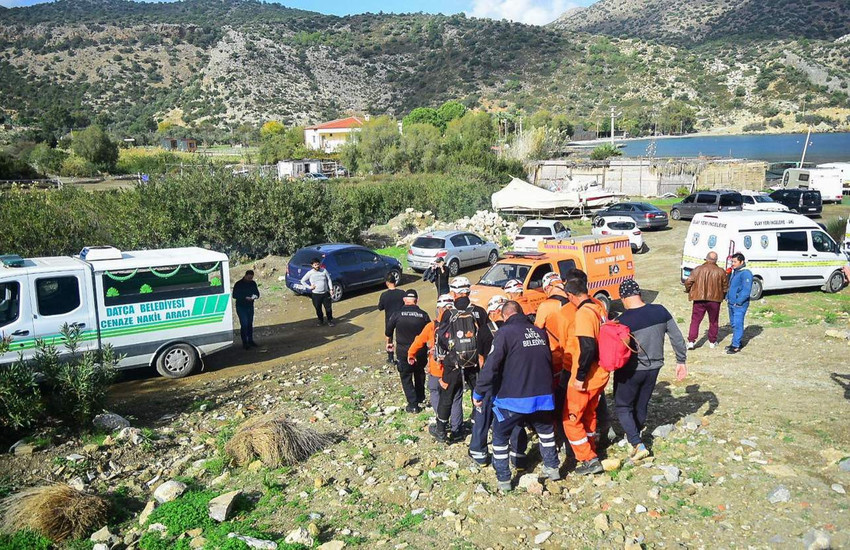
x,y
634,382
318,280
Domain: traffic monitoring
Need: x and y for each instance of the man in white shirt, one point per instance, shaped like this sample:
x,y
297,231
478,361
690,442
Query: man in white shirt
x,y
318,280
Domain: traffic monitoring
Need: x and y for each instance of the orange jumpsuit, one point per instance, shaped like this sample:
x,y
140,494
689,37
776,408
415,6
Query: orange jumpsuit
x,y
579,415
423,340
548,318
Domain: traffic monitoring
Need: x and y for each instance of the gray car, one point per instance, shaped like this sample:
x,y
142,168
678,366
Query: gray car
x,y
645,215
707,201
460,249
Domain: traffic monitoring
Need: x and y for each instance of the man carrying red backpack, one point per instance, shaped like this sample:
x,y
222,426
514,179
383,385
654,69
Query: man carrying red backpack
x,y
635,381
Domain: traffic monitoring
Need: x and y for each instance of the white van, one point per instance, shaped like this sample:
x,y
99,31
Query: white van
x,y
826,180
782,250
162,308
843,169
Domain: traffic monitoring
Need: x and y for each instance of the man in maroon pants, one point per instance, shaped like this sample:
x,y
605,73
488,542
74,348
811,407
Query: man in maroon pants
x,y
706,287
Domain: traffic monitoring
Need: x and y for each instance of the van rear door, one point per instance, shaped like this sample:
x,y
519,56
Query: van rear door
x,y
59,298
16,317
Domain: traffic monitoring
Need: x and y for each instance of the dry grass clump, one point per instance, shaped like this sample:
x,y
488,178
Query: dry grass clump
x,y
276,441
58,511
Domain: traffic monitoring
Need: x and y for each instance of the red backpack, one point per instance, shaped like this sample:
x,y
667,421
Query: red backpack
x,y
614,345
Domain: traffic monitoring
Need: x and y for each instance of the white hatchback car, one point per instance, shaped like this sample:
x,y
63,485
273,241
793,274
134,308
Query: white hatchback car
x,y
619,225
534,231
761,202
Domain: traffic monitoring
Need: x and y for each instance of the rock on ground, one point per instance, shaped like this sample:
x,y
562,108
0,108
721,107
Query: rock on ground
x,y
220,506
110,422
146,513
299,536
817,540
168,491
663,431
260,544
779,494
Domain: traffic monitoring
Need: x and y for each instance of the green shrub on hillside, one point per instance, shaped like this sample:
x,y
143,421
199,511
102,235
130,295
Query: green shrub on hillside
x,y
77,167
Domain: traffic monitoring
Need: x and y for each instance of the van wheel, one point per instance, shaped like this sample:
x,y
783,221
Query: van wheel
x,y
336,292
177,361
454,268
758,289
493,257
675,214
835,282
606,301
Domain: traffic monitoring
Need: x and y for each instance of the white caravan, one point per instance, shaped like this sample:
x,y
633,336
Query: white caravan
x,y
844,169
782,250
826,180
162,308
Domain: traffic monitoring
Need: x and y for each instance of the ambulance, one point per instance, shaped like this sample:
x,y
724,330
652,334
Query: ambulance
x,y
783,250
606,260
165,309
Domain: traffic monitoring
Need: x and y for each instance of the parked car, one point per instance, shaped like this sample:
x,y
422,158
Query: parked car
x,y
619,225
350,266
315,176
707,201
804,201
761,202
645,215
460,249
534,231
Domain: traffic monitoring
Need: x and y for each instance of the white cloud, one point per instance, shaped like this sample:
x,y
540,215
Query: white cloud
x,y
533,12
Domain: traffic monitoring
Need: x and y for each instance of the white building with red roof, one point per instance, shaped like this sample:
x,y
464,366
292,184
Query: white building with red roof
x,y
330,136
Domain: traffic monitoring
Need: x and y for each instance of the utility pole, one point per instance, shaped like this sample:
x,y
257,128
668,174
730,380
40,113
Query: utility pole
x,y
613,116
805,147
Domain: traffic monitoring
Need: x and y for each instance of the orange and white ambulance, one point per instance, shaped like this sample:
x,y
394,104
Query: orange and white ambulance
x,y
607,261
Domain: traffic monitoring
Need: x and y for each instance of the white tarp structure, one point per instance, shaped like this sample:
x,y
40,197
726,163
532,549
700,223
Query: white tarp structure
x,y
520,196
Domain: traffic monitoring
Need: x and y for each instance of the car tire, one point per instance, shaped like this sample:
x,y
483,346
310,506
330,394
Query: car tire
x,y
177,361
336,292
605,299
675,214
493,257
835,282
396,275
454,268
758,289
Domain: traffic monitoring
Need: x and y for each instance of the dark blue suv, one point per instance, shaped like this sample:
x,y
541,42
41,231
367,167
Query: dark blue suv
x,y
350,266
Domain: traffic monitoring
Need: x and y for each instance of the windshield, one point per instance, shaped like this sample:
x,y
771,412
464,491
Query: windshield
x,y
535,231
500,274
430,243
762,198
731,199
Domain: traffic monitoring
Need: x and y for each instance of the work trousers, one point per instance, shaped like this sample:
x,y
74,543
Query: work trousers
x,y
323,299
504,423
580,420
631,400
453,377
246,324
698,311
482,420
736,319
456,418
412,376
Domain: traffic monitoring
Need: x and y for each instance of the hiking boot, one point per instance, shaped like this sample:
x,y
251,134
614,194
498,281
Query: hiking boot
x,y
639,452
732,351
438,432
505,486
592,466
553,474
413,410
692,345
457,436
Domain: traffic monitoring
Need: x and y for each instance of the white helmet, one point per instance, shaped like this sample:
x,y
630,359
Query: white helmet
x,y
460,285
496,303
551,278
446,301
514,286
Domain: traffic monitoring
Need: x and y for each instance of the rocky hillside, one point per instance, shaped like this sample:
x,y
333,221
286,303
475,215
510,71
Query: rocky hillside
x,y
129,65
674,21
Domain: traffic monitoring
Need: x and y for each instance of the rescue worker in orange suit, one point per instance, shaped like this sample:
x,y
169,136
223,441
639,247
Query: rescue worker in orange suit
x,y
550,319
426,340
514,290
482,417
587,380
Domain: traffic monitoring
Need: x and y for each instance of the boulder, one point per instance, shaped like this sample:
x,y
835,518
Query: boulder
x,y
168,491
299,536
110,422
220,506
260,544
146,513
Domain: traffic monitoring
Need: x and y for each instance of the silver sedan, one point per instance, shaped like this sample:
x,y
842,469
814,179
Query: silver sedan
x,y
460,249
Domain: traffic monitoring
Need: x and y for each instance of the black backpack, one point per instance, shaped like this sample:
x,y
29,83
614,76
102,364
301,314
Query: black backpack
x,y
460,338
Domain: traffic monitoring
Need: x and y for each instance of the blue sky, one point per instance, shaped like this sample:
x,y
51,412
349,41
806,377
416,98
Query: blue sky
x,y
536,12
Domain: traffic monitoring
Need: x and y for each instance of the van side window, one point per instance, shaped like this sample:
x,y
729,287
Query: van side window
x,y
792,241
705,198
564,266
536,279
10,302
689,199
57,295
162,283
822,242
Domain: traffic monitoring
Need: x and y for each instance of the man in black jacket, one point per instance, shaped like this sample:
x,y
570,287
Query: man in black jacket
x,y
406,324
391,300
245,292
518,372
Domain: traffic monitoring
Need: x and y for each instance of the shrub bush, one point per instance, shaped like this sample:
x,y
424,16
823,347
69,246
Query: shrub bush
x,y
77,167
605,151
20,398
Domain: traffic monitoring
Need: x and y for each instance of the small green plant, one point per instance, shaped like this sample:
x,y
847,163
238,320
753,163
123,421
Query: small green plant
x,y
830,317
187,512
605,151
405,523
403,438
20,399
25,540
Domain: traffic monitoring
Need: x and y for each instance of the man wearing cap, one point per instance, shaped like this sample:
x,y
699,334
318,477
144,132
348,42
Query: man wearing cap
x,y
635,381
426,340
406,324
391,300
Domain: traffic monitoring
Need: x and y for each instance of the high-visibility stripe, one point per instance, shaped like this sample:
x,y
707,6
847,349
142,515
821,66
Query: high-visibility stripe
x,y
823,263
547,443
500,456
581,441
500,447
546,436
477,454
517,455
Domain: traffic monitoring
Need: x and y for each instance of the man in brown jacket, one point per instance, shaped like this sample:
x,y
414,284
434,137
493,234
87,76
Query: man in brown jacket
x,y
706,287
